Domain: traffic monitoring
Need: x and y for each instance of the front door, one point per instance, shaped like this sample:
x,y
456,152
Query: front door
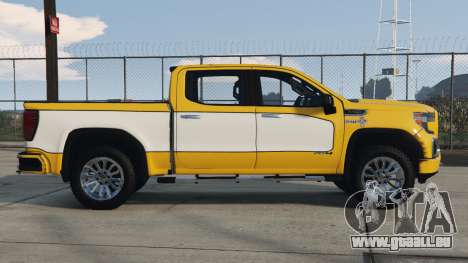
x,y
215,126
294,135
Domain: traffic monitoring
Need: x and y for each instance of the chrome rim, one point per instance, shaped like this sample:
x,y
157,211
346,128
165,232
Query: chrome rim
x,y
386,171
102,178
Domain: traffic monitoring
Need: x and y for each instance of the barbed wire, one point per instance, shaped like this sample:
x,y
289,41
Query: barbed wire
x,y
234,47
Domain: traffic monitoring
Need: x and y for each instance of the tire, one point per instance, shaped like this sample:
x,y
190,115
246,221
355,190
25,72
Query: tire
x,y
99,188
382,154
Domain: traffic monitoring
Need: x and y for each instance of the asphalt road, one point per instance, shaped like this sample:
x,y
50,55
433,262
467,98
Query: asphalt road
x,y
252,221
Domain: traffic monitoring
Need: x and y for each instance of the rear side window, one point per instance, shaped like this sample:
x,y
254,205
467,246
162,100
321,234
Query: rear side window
x,y
216,87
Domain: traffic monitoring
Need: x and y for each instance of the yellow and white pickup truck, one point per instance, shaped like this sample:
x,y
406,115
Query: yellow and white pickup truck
x,y
230,119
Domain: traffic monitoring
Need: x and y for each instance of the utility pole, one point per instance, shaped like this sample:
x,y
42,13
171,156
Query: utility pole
x,y
51,23
395,48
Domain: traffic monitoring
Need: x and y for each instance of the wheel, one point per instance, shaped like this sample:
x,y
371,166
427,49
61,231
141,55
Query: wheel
x,y
342,185
103,178
390,167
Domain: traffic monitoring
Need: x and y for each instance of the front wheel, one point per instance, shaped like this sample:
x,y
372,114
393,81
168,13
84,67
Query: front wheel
x,y
103,178
391,168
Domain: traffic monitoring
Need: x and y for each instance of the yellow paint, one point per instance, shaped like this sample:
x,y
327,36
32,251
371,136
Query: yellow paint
x,y
215,160
97,106
158,163
297,162
429,166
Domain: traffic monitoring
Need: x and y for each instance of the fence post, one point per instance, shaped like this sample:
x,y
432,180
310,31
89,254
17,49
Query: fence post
x,y
14,84
86,79
201,81
125,77
162,78
321,69
364,66
281,82
452,74
407,75
15,131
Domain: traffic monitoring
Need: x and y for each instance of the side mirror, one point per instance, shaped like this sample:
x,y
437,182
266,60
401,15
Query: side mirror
x,y
328,104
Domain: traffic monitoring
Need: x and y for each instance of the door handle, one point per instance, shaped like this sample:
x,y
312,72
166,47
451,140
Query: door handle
x,y
271,115
190,116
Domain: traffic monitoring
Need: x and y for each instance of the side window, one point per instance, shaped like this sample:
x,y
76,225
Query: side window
x,y
282,89
215,87
276,92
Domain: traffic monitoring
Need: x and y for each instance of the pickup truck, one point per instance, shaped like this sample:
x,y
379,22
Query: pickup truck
x,y
230,120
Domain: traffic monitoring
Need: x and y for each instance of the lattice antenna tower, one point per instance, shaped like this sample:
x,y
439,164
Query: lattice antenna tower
x,y
399,44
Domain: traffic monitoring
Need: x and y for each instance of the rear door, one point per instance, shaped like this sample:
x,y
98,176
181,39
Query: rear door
x,y
294,135
215,126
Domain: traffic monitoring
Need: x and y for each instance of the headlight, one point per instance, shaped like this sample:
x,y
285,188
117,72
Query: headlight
x,y
423,119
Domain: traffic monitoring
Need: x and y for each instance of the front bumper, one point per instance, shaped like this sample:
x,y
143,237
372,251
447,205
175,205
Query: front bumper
x,y
428,168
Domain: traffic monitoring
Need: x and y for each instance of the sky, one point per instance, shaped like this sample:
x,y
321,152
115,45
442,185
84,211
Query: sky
x,y
319,23
292,20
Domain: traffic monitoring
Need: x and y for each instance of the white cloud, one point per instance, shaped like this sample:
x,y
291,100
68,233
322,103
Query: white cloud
x,y
21,25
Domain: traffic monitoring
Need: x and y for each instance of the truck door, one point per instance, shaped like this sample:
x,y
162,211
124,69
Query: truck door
x,y
294,135
215,126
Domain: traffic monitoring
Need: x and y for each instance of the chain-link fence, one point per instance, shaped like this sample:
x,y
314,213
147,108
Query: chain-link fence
x,y
436,79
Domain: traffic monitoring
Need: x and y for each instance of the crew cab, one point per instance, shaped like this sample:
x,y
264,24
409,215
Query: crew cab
x,y
230,120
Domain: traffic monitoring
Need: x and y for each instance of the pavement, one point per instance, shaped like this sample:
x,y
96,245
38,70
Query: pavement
x,y
250,221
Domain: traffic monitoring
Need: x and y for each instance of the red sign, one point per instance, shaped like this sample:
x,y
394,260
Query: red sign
x,y
54,27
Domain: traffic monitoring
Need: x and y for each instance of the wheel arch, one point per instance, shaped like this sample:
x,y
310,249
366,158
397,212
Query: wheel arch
x,y
82,138
397,138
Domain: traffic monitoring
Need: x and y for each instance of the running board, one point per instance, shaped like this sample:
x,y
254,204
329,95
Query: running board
x,y
216,177
236,178
166,180
279,178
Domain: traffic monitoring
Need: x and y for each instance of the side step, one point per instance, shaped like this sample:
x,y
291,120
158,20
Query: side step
x,y
235,178
166,180
279,178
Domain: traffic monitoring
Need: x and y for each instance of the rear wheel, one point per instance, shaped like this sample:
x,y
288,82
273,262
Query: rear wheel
x,y
103,178
390,167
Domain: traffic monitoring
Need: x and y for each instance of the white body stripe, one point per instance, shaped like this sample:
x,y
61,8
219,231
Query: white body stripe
x,y
209,132
150,128
225,132
293,132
